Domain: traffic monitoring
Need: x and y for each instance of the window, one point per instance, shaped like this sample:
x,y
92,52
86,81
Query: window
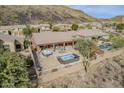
x,y
9,32
6,46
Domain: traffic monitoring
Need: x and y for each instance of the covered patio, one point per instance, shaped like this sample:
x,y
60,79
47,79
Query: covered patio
x,y
57,46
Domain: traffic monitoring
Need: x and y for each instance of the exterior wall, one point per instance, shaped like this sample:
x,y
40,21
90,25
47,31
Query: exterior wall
x,y
42,27
106,37
18,32
14,31
64,27
94,25
11,46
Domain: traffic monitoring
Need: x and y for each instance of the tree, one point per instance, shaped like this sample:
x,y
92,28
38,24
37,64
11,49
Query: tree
x,y
89,26
56,29
117,42
87,49
26,44
28,31
119,27
74,27
13,72
81,27
50,25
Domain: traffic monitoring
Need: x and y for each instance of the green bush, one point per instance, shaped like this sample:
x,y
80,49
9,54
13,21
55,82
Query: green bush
x,y
89,26
56,29
74,27
13,71
26,44
81,27
117,42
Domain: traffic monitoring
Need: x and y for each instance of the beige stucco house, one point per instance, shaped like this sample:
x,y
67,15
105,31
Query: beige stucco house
x,y
17,30
14,30
64,27
55,39
14,44
42,27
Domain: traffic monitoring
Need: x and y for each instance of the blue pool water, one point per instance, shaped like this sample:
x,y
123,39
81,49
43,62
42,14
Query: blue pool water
x,y
67,57
106,46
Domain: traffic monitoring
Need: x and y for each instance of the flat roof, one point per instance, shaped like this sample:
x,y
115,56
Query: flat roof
x,y
56,37
21,26
10,38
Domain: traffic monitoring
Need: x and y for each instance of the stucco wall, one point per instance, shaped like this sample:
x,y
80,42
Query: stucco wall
x,y
11,45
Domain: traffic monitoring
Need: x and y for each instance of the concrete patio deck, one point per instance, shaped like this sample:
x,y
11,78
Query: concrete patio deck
x,y
51,62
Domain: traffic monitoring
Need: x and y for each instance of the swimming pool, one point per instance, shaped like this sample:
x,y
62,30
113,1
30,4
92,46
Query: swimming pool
x,y
68,58
106,46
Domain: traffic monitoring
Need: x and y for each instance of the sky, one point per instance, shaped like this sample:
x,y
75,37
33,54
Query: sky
x,y
101,11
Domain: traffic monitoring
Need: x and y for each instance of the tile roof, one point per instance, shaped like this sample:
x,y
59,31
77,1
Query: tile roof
x,y
10,38
55,37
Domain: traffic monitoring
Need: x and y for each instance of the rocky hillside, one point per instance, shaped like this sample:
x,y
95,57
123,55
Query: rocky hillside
x,y
118,18
11,15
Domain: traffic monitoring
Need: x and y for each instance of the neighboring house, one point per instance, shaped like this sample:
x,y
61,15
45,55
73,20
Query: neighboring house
x,y
96,25
93,25
13,43
42,27
56,39
15,30
109,29
64,27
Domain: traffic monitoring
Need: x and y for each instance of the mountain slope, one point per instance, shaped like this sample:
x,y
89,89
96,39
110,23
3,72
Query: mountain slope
x,y
10,15
118,18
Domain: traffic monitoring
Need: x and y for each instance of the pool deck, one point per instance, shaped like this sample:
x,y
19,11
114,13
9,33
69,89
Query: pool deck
x,y
51,62
74,68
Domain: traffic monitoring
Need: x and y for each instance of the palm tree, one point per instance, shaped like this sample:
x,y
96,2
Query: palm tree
x,y
87,49
28,31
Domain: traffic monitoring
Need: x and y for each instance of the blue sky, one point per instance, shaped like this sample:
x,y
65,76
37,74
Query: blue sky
x,y
101,11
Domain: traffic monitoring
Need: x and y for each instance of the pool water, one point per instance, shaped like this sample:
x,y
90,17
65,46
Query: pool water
x,y
67,57
106,46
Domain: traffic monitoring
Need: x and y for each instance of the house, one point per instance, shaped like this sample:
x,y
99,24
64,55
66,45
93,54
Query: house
x,y
96,25
53,40
90,25
15,30
64,27
42,27
13,43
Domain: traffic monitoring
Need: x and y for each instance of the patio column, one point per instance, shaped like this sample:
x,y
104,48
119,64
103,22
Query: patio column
x,y
38,48
73,44
64,45
54,48
18,33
